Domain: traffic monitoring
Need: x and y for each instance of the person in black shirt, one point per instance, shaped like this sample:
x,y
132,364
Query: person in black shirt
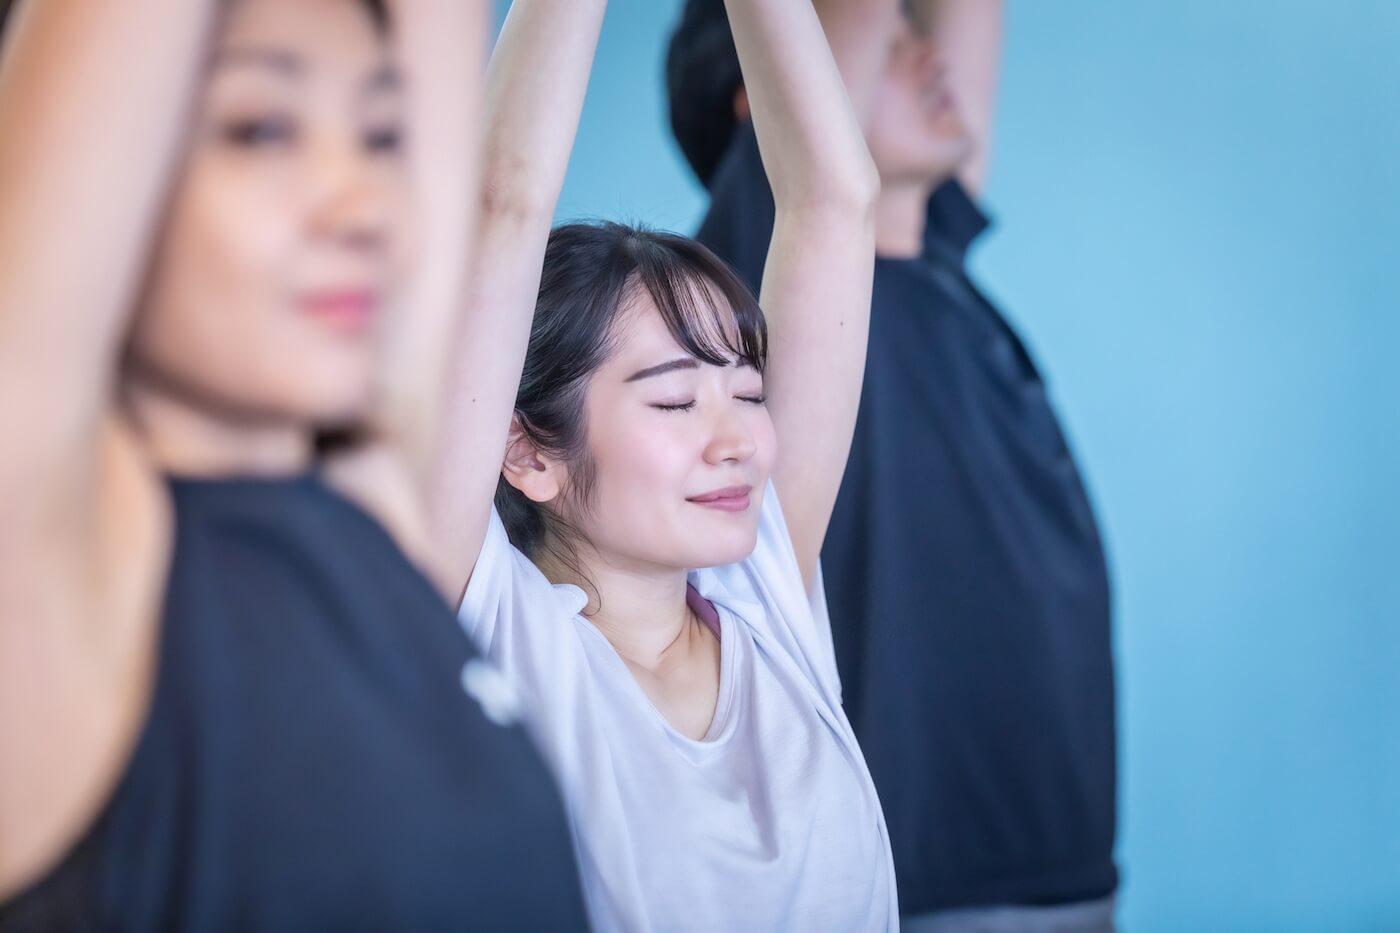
x,y
229,698
964,570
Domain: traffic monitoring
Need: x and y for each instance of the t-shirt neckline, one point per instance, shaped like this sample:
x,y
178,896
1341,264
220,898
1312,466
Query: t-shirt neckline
x,y
720,728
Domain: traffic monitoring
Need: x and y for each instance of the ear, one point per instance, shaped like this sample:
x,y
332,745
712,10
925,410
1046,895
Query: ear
x,y
537,475
741,104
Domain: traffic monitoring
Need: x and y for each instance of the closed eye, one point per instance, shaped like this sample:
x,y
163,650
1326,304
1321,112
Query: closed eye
x,y
260,132
677,406
754,399
384,140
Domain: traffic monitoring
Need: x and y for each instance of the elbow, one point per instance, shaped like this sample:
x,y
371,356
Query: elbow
x,y
849,190
865,184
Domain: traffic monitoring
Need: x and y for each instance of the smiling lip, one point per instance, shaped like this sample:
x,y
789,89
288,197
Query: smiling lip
x,y
728,499
348,309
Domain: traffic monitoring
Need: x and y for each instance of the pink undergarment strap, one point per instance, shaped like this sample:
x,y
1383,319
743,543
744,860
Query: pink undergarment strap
x,y
704,610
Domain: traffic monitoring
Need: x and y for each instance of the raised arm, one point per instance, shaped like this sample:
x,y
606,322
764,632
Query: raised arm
x,y
534,94
969,34
439,45
80,94
859,33
90,121
817,279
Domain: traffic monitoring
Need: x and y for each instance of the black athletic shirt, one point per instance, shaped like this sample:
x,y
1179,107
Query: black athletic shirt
x,y
966,581
310,760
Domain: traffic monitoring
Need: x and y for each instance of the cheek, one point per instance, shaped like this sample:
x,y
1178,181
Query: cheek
x,y
639,457
219,264
641,466
218,312
233,228
765,445
907,127
893,124
402,225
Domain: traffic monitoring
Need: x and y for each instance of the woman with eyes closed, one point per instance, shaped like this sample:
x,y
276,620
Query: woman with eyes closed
x,y
228,701
640,469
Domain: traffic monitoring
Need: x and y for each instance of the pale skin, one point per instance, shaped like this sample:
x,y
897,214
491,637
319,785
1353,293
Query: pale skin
x,y
934,115
969,36
146,325
726,439
928,78
661,441
531,102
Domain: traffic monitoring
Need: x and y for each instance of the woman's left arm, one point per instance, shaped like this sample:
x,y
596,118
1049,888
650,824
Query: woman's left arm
x,y
817,279
440,47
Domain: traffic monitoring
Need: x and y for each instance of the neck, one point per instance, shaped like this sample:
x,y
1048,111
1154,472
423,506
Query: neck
x,y
190,439
901,214
640,609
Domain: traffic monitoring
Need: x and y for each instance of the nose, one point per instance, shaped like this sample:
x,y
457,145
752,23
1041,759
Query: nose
x,y
930,63
731,436
351,196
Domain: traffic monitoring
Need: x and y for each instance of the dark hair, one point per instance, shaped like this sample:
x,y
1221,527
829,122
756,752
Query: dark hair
x,y
379,13
593,272
6,8
702,77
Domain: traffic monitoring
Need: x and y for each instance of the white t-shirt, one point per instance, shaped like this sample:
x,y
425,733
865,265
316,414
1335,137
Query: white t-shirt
x,y
770,822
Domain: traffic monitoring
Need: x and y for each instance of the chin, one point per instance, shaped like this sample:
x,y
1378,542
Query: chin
x,y
720,550
318,406
331,394
951,156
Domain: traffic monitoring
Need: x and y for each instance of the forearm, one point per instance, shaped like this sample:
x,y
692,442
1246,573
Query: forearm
x,y
811,141
80,93
534,96
535,88
440,45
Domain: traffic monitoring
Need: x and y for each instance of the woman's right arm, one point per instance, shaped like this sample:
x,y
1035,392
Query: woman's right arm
x,y
859,33
92,104
534,94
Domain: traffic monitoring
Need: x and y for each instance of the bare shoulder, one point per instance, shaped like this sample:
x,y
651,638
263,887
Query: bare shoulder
x,y
83,562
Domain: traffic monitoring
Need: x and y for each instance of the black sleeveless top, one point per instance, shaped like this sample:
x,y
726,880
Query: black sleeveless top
x,y
310,760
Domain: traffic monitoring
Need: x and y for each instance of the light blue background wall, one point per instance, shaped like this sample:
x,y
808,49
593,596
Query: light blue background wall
x,y
1200,238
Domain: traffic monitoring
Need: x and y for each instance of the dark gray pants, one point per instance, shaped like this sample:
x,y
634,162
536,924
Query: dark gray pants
x,y
1084,917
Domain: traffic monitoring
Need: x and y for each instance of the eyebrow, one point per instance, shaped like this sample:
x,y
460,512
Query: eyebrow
x,y
275,59
384,78
684,362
